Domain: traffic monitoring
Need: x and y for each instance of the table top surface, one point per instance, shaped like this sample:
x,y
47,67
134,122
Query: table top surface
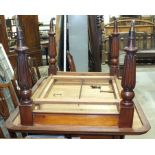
x,y
140,126
80,95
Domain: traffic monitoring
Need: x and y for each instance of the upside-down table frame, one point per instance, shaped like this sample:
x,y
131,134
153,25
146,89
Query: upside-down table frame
x,y
88,105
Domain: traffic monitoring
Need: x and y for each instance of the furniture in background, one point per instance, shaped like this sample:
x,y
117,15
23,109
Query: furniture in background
x,y
3,34
11,31
5,64
44,47
95,43
81,36
5,42
34,70
131,17
88,105
44,39
43,31
34,75
70,62
145,43
8,103
145,39
8,99
30,27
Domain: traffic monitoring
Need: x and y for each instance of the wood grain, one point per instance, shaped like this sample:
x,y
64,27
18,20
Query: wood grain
x,y
13,124
41,87
83,73
73,101
76,108
1,134
30,27
47,88
82,77
84,120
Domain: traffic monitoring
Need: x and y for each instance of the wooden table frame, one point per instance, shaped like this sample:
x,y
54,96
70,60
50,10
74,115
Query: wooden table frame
x,y
128,120
13,124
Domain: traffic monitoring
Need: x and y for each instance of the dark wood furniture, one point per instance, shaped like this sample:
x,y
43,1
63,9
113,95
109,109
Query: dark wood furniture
x,y
145,39
1,134
70,61
4,106
11,26
88,105
34,70
94,45
146,46
44,46
5,42
3,32
30,27
34,75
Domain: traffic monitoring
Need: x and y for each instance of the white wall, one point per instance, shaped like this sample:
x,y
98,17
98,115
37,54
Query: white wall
x,y
45,18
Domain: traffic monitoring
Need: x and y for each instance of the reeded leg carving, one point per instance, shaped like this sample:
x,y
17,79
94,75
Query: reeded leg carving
x,y
128,82
24,80
52,50
114,69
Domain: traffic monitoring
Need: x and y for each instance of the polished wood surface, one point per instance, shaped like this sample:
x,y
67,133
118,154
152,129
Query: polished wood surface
x,y
114,66
24,79
4,106
94,37
30,26
140,126
3,36
73,119
4,110
128,81
52,51
80,103
5,42
78,124
71,63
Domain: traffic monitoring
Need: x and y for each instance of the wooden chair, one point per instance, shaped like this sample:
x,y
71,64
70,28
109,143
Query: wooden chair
x,y
71,63
34,70
8,102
